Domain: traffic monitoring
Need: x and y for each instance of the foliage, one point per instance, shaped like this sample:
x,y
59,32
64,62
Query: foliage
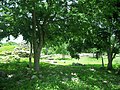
x,y
61,49
108,28
96,28
82,24
39,22
55,49
48,51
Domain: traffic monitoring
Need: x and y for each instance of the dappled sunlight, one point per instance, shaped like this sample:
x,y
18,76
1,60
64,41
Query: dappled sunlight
x,y
58,77
89,76
68,45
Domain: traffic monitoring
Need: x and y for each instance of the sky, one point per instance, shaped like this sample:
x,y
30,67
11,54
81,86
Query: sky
x,y
17,40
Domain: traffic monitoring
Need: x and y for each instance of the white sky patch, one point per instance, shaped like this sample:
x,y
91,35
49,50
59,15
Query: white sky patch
x,y
70,2
19,39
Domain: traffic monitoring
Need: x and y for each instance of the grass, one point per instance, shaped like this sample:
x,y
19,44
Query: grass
x,y
57,77
82,60
7,48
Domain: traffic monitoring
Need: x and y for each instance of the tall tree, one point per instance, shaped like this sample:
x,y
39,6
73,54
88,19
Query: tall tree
x,y
100,25
108,27
38,22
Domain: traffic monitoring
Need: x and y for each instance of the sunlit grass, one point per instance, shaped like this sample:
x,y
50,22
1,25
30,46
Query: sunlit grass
x,y
7,48
58,77
82,60
60,74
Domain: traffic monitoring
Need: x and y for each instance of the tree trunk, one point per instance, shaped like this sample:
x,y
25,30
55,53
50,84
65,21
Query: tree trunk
x,y
102,62
35,42
109,67
36,58
63,56
38,39
110,59
30,56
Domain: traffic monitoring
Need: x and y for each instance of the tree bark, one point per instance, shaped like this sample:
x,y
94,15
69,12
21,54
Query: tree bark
x,y
30,56
35,43
109,54
36,58
63,55
110,59
102,62
109,66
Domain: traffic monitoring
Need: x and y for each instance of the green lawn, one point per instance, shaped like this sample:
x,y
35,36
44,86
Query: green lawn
x,y
82,60
58,77
7,48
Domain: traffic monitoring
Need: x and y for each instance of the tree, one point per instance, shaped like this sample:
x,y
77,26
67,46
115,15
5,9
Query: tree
x,y
108,27
100,22
81,24
37,21
62,49
5,21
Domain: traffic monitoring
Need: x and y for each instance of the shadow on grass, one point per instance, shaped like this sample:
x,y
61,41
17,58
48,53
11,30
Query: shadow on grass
x,y
57,77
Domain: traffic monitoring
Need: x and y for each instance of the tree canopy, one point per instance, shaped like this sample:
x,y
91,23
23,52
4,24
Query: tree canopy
x,y
82,24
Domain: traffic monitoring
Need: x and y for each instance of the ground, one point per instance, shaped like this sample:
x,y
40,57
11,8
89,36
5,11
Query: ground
x,y
59,76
